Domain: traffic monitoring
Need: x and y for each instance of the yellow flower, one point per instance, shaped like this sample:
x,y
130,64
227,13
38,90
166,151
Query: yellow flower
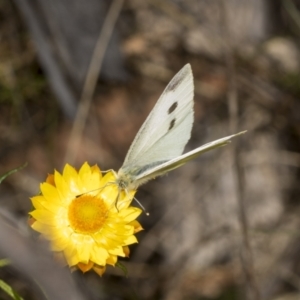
x,y
78,213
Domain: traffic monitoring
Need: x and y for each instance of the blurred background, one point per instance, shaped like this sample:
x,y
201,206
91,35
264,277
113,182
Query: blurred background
x,y
77,80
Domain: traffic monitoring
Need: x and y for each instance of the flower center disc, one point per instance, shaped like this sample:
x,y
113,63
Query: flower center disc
x,y
87,214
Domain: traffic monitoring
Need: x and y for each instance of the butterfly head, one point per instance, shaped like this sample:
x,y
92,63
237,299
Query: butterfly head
x,y
124,181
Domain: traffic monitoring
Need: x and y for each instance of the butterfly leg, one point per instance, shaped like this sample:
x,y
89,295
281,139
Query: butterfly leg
x,y
109,170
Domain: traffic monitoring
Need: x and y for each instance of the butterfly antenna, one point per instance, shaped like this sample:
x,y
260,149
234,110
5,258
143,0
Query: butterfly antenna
x,y
142,207
117,200
106,171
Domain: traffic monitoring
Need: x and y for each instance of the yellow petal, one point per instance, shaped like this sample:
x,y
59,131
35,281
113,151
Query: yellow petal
x,y
117,251
130,213
39,202
137,226
71,177
60,243
50,193
66,195
70,253
99,255
85,267
126,251
50,179
130,240
42,228
99,270
96,169
84,249
43,216
112,260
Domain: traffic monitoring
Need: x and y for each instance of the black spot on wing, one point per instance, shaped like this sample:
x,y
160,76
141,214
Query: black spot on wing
x,y
175,82
179,78
172,107
172,123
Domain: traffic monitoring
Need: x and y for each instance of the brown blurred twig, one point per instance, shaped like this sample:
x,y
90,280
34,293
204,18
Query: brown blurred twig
x,y
252,292
91,79
56,79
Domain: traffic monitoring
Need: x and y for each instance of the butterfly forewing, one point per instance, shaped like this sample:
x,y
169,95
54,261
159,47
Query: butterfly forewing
x,y
167,129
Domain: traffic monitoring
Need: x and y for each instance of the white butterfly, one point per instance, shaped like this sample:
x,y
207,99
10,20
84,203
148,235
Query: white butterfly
x,y
158,146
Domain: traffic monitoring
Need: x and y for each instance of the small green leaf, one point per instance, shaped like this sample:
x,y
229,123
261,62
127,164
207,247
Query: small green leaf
x,y
10,291
4,262
2,177
122,267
